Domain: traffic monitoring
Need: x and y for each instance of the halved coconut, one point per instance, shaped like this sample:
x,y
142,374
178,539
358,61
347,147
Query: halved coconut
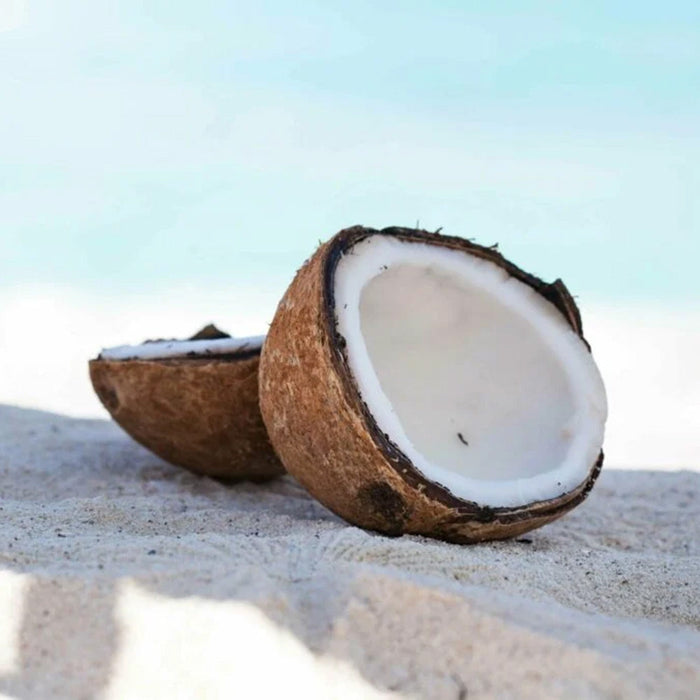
x,y
192,402
419,383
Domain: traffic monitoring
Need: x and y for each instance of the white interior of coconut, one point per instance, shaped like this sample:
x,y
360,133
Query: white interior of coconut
x,y
173,349
477,378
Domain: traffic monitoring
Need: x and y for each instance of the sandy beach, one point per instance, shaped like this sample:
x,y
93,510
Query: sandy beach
x,y
124,577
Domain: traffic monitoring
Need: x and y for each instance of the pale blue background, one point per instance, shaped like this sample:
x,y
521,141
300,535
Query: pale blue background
x,y
164,164
147,143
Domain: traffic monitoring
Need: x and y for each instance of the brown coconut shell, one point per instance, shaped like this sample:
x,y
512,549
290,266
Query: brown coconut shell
x,y
200,414
328,440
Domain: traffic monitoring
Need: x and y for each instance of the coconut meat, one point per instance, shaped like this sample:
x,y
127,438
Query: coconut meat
x,y
174,349
473,375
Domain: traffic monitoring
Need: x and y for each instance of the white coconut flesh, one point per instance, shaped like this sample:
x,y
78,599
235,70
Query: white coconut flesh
x,y
174,349
475,377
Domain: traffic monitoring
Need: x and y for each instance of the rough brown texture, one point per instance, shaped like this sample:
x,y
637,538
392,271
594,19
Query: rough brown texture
x,y
199,414
326,436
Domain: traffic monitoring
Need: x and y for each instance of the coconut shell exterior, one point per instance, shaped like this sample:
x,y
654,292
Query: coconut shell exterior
x,y
327,438
201,414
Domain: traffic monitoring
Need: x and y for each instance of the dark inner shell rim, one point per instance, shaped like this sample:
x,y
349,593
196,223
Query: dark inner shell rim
x,y
191,356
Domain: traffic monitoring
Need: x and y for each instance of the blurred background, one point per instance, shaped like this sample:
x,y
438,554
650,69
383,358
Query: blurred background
x,y
166,164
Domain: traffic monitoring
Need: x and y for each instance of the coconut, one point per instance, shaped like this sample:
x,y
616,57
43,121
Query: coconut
x,y
192,402
420,383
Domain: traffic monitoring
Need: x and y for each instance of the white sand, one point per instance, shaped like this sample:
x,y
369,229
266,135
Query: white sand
x,y
123,577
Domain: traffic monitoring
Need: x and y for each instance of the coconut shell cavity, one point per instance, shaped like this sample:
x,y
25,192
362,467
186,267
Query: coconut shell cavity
x,y
420,383
192,402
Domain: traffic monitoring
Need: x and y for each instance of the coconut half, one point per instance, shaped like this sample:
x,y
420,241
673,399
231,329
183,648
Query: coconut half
x,y
192,402
419,383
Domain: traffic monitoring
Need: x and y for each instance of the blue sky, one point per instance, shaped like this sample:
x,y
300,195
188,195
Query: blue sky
x,y
147,145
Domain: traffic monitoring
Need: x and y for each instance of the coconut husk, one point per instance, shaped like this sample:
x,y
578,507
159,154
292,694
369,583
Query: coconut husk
x,y
201,414
328,440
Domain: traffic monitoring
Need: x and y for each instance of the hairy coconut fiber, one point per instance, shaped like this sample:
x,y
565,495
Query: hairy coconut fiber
x,y
326,437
